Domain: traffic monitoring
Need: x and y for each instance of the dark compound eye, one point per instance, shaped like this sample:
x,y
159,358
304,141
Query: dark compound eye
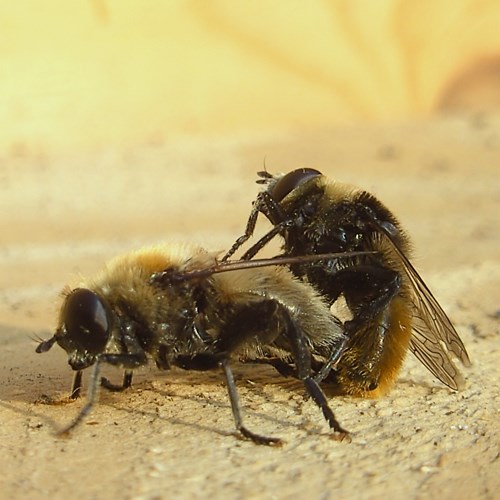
x,y
291,181
86,320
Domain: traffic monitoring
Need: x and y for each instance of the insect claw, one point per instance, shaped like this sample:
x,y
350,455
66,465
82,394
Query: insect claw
x,y
342,436
262,440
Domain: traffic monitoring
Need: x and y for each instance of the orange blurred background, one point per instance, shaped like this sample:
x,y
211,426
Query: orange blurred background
x,y
91,73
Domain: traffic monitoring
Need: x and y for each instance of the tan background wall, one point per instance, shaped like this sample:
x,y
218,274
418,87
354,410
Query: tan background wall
x,y
98,72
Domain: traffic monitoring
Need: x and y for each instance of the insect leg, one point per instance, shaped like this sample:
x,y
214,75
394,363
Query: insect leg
x,y
134,358
267,205
126,383
334,358
92,396
266,321
252,221
76,387
255,321
282,367
256,247
367,289
209,361
302,357
236,408
128,361
320,368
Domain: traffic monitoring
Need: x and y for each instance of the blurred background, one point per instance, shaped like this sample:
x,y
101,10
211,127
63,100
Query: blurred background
x,y
94,73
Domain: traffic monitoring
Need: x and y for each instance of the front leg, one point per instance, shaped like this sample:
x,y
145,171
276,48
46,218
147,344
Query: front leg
x,y
250,227
92,396
74,394
129,360
267,205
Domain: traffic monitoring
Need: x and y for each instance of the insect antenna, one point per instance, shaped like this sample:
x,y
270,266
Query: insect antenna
x,y
44,345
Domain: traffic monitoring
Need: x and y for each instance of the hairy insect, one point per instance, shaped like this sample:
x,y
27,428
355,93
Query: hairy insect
x,y
178,306
391,308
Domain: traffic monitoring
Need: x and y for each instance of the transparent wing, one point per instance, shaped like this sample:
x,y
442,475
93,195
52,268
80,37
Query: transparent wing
x,y
433,337
431,354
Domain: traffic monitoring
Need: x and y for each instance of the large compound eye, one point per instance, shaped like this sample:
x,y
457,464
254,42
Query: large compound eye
x,y
86,320
291,181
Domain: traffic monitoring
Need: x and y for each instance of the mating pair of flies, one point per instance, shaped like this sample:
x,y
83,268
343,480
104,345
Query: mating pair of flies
x,y
181,306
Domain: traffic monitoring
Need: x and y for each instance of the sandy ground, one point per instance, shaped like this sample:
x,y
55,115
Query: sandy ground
x,y
171,434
